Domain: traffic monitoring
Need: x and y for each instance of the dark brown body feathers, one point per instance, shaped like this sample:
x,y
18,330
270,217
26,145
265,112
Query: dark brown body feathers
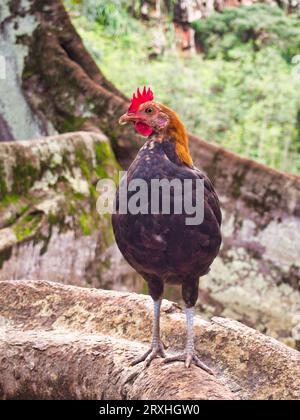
x,y
161,247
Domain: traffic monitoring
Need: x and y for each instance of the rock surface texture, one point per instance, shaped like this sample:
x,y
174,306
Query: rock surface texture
x,y
49,226
59,341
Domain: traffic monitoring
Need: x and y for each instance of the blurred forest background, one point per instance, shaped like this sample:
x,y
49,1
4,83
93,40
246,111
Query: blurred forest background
x,y
234,77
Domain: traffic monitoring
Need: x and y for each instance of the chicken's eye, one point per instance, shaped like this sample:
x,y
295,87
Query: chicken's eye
x,y
149,110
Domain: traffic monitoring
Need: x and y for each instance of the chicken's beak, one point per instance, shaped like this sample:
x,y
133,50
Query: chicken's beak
x,y
126,118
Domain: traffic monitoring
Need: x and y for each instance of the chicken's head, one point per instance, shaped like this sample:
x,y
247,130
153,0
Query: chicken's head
x,y
145,114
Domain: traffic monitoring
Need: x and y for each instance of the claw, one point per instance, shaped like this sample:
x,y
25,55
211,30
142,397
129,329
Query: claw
x,y
189,358
154,352
203,366
141,358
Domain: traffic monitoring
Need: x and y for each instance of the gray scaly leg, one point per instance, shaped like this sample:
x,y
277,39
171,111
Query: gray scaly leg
x,y
189,356
156,348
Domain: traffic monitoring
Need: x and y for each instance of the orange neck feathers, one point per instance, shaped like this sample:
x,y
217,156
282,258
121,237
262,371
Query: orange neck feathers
x,y
177,131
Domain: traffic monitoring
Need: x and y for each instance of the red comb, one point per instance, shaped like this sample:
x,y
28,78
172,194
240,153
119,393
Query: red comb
x,y
139,98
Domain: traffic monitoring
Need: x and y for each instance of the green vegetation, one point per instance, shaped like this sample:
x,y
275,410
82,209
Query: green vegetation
x,y
24,175
242,93
27,225
250,28
83,163
85,224
73,124
111,14
104,158
3,186
9,199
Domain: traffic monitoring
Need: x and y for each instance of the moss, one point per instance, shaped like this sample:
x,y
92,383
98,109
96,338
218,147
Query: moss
x,y
81,209
93,193
10,221
3,186
103,151
72,123
23,209
86,172
18,207
27,225
101,172
66,162
24,175
84,210
8,200
85,224
84,163
53,219
78,196
105,159
106,229
59,219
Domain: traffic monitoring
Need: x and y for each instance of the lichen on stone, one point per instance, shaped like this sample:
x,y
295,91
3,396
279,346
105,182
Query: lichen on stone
x,y
49,196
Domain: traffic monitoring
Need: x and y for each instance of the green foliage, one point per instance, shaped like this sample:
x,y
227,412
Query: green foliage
x,y
249,28
249,104
110,14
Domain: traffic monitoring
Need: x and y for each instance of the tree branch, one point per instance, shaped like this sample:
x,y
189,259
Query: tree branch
x,y
60,341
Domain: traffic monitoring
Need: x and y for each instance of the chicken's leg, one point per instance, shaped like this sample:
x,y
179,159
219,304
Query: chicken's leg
x,y
190,295
189,356
156,348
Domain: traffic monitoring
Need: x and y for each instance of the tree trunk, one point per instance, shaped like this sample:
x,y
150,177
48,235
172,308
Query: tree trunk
x,y
60,341
62,88
63,365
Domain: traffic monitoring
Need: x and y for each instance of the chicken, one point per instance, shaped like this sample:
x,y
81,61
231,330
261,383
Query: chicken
x,y
164,248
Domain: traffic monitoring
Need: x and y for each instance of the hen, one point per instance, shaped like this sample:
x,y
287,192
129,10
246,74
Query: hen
x,y
162,246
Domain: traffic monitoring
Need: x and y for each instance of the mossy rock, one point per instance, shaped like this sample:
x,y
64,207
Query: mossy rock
x,y
48,205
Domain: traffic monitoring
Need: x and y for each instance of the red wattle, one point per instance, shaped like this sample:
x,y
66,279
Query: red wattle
x,y
143,129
